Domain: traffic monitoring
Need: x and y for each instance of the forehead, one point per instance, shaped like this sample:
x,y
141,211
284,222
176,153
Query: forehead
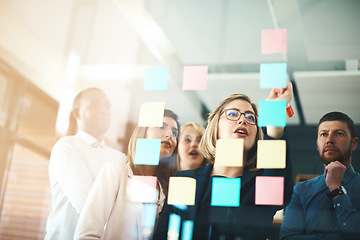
x,y
94,95
239,104
190,130
171,122
333,125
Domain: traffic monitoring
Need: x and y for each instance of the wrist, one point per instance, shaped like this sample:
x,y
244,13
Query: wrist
x,y
337,192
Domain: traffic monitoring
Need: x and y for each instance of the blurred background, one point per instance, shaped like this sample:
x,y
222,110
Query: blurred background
x,y
52,49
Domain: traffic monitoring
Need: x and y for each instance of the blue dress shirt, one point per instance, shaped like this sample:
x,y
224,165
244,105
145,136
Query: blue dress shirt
x,y
311,214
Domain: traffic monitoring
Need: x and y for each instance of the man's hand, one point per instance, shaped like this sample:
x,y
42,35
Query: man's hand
x,y
334,173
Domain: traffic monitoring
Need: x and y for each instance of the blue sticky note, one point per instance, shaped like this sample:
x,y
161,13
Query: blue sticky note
x,y
147,151
225,192
273,75
174,226
156,78
272,113
187,230
149,216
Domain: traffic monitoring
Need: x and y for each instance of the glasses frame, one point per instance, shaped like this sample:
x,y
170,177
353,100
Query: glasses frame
x,y
241,113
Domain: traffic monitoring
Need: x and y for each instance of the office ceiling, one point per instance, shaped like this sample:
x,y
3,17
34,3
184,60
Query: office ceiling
x,y
116,40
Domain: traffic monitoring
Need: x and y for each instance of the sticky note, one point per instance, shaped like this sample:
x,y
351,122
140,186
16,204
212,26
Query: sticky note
x,y
149,216
151,114
174,226
272,113
271,154
195,77
147,151
229,152
269,190
187,230
225,192
156,78
273,41
273,75
142,189
181,191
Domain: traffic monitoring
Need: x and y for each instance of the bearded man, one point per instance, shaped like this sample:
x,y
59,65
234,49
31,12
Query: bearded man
x,y
328,206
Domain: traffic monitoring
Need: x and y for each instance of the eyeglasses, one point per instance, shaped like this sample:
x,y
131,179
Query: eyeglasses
x,y
234,115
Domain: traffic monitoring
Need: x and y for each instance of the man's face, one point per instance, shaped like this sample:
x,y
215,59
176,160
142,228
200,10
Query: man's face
x,y
94,113
334,142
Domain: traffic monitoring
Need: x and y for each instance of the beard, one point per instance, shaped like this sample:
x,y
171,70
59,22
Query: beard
x,y
341,157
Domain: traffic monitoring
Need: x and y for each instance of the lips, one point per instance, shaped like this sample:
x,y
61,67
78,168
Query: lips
x,y
330,149
241,131
166,143
194,153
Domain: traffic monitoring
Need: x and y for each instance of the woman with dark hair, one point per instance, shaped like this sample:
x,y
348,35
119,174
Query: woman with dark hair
x,y
234,118
109,212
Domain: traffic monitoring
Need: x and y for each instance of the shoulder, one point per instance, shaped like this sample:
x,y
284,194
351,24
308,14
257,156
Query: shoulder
x,y
120,155
68,141
310,185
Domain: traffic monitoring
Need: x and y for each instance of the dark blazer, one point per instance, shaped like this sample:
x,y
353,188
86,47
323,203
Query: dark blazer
x,y
249,221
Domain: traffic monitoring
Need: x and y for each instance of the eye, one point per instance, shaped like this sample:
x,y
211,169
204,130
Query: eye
x,y
187,139
340,133
322,134
232,113
175,133
250,117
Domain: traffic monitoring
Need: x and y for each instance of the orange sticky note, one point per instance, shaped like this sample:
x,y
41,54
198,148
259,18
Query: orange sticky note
x,y
271,154
142,189
229,152
273,41
181,191
269,190
195,77
151,114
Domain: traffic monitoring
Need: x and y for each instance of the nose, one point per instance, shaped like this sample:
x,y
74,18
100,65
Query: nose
x,y
194,143
242,118
330,139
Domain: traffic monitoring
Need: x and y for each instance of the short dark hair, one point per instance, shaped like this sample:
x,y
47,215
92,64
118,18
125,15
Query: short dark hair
x,y
339,116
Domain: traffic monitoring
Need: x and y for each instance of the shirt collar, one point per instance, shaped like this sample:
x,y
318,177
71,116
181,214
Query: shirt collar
x,y
88,138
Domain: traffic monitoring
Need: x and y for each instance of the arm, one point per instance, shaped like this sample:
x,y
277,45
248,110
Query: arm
x,y
108,187
68,171
293,225
348,217
279,94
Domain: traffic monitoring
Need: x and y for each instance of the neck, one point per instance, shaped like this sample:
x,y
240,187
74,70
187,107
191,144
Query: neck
x,y
97,136
227,171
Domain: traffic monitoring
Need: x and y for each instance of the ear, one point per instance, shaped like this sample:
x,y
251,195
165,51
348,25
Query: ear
x,y
76,113
355,142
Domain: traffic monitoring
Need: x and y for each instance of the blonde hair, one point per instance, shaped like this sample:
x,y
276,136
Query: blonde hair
x,y
200,129
208,141
166,167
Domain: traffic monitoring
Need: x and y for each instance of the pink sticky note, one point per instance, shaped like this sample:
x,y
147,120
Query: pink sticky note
x,y
195,77
273,41
269,190
142,189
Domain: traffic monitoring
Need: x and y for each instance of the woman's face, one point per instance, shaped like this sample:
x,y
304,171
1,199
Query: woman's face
x,y
167,133
189,140
239,129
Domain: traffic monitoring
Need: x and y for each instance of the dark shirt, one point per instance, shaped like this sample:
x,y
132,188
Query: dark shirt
x,y
311,214
248,221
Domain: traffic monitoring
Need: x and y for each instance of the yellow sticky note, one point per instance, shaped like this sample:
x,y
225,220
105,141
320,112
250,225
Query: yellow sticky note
x,y
151,114
229,152
271,154
181,191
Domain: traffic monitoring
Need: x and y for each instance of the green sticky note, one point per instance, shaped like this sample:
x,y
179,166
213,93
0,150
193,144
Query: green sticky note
x,y
225,192
273,75
156,78
272,113
147,151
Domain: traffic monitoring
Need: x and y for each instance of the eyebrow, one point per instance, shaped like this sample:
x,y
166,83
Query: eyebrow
x,y
248,111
